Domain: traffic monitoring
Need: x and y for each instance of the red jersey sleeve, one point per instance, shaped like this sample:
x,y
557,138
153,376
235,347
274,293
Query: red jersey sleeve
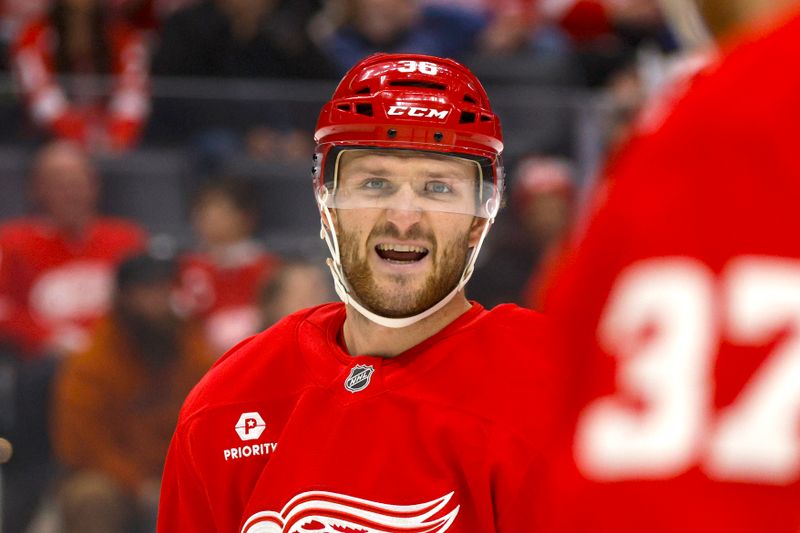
x,y
184,504
519,488
130,100
17,325
33,63
522,444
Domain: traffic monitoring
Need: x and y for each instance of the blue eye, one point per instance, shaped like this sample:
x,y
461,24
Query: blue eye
x,y
374,183
438,187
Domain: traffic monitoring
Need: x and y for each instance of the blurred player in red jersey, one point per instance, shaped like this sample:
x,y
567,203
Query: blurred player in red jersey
x,y
57,265
407,407
56,281
221,281
295,285
679,312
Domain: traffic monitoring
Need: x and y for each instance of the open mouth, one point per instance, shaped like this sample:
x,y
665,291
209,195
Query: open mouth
x,y
402,254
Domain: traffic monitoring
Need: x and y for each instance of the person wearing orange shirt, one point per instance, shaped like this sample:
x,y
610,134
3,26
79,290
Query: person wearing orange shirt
x,y
116,403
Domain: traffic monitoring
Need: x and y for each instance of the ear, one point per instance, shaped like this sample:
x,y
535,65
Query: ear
x,y
476,229
325,219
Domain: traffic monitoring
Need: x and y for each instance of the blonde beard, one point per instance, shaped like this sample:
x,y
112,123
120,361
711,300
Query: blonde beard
x,y
395,302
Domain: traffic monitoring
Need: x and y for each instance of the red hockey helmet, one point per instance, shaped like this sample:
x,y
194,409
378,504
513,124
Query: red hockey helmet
x,y
424,105
411,102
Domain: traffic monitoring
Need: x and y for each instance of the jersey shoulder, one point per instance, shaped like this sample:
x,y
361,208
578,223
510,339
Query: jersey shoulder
x,y
502,369
518,332
20,228
746,90
26,236
507,334
271,363
120,227
724,159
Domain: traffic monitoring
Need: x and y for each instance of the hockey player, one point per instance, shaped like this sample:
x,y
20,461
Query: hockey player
x,y
679,310
407,407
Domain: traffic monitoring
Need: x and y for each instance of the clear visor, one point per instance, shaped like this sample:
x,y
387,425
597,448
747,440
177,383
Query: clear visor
x,y
412,180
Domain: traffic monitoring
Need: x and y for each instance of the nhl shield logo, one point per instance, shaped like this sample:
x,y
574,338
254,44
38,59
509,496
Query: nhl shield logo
x,y
359,378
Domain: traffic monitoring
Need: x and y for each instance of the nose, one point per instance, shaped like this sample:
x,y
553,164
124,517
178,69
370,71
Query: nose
x,y
403,211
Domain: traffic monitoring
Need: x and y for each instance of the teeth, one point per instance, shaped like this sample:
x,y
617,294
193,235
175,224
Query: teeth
x,y
402,248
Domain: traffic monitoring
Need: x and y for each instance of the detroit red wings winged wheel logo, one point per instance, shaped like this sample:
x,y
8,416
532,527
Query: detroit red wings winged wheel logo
x,y
329,512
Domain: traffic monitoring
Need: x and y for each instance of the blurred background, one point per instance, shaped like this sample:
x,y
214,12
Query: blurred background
x,y
156,203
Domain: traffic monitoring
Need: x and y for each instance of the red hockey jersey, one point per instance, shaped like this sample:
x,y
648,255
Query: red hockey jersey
x,y
679,312
52,287
224,294
290,433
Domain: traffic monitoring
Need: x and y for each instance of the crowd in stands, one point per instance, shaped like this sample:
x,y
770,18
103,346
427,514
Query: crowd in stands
x,y
104,333
105,337
86,69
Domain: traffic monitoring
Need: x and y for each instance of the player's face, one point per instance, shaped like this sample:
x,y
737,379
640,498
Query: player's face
x,y
401,260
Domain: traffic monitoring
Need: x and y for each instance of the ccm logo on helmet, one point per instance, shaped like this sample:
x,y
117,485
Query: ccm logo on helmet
x,y
426,112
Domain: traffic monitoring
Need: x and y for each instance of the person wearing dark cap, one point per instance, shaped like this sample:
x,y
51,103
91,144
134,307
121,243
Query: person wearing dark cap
x,y
116,403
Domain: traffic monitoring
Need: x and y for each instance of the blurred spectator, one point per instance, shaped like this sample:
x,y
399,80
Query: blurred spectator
x,y
542,193
627,95
240,39
512,26
116,404
105,100
220,282
214,148
608,33
55,282
265,143
57,264
354,29
544,196
296,285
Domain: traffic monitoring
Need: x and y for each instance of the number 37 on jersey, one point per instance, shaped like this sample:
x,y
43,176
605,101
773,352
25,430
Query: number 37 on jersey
x,y
666,324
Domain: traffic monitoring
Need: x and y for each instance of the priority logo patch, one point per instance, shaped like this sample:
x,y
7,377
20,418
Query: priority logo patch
x,y
359,378
250,426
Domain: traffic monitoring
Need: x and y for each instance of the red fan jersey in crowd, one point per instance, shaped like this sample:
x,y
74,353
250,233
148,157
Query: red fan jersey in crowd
x,y
680,310
114,122
224,292
290,433
53,287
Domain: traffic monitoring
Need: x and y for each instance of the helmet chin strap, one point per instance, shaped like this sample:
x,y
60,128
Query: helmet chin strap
x,y
345,293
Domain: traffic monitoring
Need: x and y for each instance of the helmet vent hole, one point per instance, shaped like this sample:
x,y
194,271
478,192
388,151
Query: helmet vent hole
x,y
486,118
363,90
364,109
420,84
466,117
343,107
470,99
